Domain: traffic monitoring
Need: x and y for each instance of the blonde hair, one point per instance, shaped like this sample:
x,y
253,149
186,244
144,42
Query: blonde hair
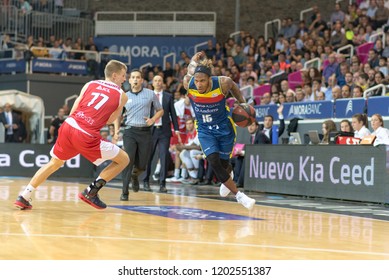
x,y
114,66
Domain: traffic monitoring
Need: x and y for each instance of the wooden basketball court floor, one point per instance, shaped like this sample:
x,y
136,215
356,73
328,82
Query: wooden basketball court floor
x,y
188,223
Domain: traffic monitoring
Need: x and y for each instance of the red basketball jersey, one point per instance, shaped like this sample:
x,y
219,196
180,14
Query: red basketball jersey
x,y
100,100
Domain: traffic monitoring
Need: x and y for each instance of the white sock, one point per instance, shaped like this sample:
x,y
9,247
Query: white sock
x,y
157,168
177,173
184,173
238,194
193,173
27,193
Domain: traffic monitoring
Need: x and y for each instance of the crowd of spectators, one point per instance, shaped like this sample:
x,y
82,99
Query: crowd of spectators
x,y
251,61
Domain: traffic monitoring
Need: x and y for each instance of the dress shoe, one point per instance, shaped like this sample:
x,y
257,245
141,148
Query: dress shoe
x,y
162,189
135,183
146,187
205,183
124,197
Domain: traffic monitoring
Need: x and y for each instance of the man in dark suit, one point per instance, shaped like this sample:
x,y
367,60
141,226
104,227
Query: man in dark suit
x,y
267,126
161,133
11,122
259,134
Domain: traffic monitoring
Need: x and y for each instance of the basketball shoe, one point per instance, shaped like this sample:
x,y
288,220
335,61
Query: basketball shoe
x,y
22,203
90,196
245,200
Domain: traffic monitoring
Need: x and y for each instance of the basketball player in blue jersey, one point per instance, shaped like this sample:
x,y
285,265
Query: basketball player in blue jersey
x,y
215,129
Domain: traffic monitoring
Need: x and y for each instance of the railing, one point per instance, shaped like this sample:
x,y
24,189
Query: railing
x,y
197,46
378,34
278,21
149,64
165,60
155,23
234,34
349,46
312,62
43,24
304,12
247,92
382,86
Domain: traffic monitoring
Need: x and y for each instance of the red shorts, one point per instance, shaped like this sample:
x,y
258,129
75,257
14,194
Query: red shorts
x,y
72,141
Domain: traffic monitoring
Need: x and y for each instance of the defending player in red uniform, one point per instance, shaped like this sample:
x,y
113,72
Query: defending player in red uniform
x,y
100,102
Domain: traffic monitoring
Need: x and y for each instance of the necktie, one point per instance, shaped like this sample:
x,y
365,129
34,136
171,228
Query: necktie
x,y
158,122
252,139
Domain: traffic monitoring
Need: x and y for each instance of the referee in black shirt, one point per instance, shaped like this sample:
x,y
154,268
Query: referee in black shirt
x,y
137,140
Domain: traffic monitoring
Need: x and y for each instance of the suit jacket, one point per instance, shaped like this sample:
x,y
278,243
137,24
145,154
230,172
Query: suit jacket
x,y
281,129
261,138
169,115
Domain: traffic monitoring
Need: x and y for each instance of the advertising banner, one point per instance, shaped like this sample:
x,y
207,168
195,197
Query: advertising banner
x,y
59,66
378,105
151,49
319,171
8,66
25,159
262,110
346,108
309,110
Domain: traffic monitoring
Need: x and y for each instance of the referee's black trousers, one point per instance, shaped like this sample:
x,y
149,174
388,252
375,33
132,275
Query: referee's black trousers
x,y
137,143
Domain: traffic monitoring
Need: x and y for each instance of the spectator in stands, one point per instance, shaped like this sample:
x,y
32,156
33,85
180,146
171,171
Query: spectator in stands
x,y
360,37
309,93
331,67
373,58
239,57
341,74
379,79
317,86
338,39
6,47
385,52
381,133
383,68
345,126
328,126
372,9
55,125
378,46
357,92
266,98
320,96
91,62
56,51
336,93
331,84
318,25
302,28
281,98
299,94
348,78
338,14
360,125
290,96
284,86
346,93
363,81
371,75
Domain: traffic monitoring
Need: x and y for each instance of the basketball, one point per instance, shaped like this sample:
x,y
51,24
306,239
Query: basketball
x,y
243,116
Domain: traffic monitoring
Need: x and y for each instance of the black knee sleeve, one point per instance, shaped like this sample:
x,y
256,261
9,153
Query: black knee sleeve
x,y
226,165
217,166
